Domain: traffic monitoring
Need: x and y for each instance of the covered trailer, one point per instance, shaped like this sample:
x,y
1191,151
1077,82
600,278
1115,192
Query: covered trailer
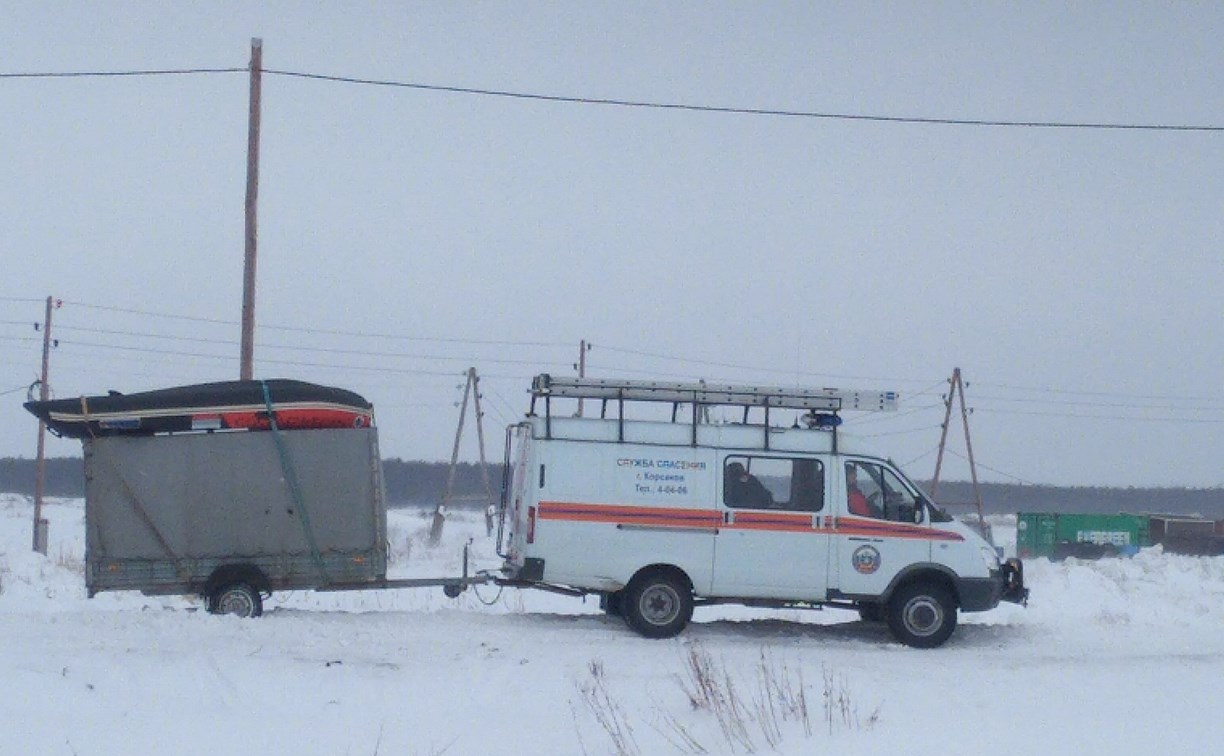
x,y
233,515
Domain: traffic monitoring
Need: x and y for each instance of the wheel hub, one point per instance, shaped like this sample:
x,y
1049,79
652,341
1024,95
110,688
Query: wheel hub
x,y
660,605
235,602
923,616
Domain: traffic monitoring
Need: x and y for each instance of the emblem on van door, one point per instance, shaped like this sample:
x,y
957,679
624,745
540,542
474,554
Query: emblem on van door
x,y
866,559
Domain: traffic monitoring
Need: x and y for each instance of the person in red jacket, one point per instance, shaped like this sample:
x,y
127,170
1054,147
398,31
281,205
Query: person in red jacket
x,y
856,501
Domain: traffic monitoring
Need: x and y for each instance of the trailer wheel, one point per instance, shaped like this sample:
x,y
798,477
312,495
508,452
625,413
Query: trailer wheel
x,y
922,615
238,599
658,604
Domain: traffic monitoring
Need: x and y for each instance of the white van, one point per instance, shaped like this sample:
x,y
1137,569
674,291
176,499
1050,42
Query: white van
x,y
659,515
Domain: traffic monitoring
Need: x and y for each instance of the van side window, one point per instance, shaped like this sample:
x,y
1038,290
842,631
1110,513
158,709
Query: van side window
x,y
874,491
751,482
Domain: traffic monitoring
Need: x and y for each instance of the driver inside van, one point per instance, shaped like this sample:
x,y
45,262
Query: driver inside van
x,y
857,502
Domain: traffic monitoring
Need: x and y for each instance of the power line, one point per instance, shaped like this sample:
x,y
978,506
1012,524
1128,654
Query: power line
x,y
858,422
301,329
623,103
289,347
148,313
897,432
925,454
295,363
1128,418
362,334
739,111
992,469
104,74
13,390
757,368
1105,394
1110,405
1209,402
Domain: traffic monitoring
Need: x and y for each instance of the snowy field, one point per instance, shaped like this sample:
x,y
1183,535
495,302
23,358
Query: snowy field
x,y
1117,656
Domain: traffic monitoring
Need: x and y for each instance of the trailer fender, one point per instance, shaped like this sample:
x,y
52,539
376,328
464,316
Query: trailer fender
x,y
237,573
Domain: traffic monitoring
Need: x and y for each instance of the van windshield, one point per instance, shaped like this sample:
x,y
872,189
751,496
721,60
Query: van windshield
x,y
937,513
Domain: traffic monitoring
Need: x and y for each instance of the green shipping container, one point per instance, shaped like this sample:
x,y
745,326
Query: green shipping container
x,y
1087,536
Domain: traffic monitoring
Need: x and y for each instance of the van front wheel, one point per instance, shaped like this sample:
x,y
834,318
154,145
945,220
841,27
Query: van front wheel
x,y
658,604
922,615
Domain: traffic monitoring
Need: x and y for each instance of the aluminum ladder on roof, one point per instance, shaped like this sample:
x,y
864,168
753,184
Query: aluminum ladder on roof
x,y
831,400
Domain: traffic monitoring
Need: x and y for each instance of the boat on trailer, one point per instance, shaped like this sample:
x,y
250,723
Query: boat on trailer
x,y
227,405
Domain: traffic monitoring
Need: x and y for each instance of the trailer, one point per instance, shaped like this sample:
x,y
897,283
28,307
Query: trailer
x,y
234,515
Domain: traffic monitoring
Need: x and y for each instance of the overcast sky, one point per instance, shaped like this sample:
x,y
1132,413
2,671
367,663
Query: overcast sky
x,y
1075,275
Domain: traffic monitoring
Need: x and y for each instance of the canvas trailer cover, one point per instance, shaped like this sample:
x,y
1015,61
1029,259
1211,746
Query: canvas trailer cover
x,y
297,509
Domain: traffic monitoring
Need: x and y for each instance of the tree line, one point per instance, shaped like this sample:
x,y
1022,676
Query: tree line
x,y
418,483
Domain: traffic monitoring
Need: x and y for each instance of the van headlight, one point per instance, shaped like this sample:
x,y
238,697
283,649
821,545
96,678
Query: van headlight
x,y
991,557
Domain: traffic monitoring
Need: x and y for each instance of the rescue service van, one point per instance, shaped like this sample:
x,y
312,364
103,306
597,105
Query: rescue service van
x,y
772,507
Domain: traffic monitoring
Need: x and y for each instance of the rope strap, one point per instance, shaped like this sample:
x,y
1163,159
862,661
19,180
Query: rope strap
x,y
294,489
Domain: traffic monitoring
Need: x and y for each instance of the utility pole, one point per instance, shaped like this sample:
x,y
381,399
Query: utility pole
x,y
40,475
583,348
958,389
471,389
245,370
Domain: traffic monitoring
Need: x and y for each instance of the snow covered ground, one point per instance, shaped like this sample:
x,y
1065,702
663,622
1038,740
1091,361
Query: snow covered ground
x,y
1117,656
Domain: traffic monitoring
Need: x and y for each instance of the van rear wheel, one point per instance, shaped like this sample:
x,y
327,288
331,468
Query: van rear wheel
x,y
922,615
658,604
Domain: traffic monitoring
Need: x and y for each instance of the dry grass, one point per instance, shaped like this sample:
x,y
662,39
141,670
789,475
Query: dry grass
x,y
607,710
753,712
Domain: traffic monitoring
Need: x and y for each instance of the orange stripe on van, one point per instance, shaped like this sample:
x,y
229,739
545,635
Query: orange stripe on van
x,y
779,521
630,515
782,522
884,529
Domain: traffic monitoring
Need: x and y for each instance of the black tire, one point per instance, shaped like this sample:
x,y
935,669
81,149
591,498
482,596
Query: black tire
x,y
922,615
871,612
238,599
658,604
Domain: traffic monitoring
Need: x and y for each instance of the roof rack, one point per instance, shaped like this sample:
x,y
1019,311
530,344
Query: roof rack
x,y
822,404
827,399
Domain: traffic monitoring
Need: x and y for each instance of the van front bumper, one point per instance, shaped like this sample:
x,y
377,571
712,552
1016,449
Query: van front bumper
x,y
1013,582
1004,584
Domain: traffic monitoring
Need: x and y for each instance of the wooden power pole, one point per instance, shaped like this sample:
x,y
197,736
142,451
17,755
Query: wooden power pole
x,y
40,473
245,370
580,366
470,390
958,389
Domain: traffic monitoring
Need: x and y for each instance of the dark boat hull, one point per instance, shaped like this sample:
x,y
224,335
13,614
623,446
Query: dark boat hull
x,y
229,405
